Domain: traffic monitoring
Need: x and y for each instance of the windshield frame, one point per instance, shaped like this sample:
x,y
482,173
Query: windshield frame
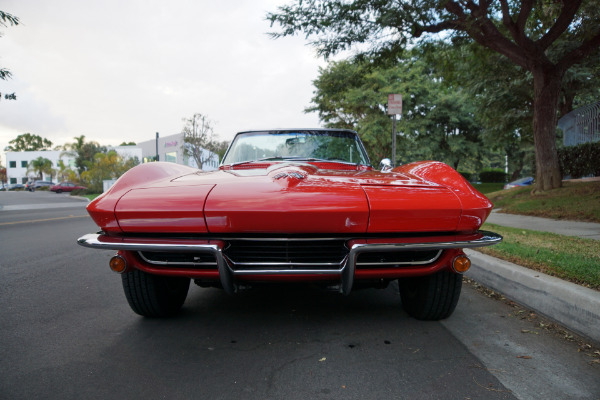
x,y
316,132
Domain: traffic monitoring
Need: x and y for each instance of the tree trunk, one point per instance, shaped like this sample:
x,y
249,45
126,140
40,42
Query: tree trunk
x,y
546,83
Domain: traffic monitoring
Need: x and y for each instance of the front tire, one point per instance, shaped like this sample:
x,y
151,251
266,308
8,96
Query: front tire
x,y
431,298
154,295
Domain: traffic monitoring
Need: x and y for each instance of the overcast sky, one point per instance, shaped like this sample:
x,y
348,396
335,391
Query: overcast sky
x,y
122,70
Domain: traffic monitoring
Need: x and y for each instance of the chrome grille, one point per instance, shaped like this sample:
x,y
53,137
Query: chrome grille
x,y
286,253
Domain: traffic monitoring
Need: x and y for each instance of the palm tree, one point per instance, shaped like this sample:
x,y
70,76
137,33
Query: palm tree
x,y
40,166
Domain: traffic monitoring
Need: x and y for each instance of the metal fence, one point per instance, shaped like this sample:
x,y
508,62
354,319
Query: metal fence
x,y
581,125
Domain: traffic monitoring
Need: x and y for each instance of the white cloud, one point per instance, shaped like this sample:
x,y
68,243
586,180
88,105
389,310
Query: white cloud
x,y
122,70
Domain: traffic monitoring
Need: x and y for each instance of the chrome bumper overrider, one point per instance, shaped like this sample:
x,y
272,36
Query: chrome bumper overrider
x,y
346,270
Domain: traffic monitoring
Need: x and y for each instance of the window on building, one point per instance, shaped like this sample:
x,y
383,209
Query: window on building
x,y
13,180
12,164
23,164
24,180
171,157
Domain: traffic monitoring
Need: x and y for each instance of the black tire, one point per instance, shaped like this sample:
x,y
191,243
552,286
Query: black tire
x,y
59,191
154,295
431,298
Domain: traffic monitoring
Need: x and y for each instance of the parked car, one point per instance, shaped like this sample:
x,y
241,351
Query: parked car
x,y
39,184
519,182
66,187
32,185
291,206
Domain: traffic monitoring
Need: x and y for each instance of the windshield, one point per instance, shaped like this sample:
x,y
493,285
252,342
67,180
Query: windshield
x,y
299,145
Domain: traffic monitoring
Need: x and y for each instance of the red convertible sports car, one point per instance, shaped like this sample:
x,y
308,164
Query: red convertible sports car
x,y
291,206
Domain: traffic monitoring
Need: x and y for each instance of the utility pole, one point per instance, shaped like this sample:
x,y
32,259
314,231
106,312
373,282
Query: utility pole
x,y
157,159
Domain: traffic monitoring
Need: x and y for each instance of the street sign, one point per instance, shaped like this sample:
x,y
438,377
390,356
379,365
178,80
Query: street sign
x,y
394,104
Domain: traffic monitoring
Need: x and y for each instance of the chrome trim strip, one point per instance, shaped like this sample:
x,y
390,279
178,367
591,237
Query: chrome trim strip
x,y
226,274
439,253
266,264
289,272
198,264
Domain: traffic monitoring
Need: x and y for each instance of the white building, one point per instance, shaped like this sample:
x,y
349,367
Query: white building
x,y
170,149
17,164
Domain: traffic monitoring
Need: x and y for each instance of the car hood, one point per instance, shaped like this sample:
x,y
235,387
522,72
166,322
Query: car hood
x,y
290,198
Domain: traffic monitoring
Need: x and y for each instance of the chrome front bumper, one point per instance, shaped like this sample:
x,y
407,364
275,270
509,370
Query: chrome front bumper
x,y
346,269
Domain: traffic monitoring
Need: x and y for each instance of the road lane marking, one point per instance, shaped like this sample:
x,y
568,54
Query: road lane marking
x,y
43,220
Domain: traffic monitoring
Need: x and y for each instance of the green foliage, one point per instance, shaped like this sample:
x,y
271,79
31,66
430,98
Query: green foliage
x,y
127,144
5,20
492,176
437,123
105,166
467,175
580,160
84,152
40,166
29,142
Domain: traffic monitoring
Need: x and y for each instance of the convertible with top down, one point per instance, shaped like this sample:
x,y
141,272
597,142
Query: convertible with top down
x,y
299,205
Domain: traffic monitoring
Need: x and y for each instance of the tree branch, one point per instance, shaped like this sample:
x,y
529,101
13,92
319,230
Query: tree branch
x,y
436,28
577,55
484,32
6,17
526,7
563,21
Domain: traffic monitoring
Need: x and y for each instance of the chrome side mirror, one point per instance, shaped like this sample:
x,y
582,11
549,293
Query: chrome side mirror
x,y
385,165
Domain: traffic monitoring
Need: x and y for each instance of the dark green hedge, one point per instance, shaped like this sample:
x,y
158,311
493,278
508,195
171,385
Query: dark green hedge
x,y
467,175
581,160
492,176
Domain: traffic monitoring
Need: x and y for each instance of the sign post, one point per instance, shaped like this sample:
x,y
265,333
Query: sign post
x,y
394,108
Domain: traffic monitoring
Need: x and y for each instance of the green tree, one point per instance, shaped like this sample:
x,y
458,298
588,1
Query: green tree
x,y
437,122
40,166
64,172
83,152
5,20
544,38
200,141
105,166
220,147
29,142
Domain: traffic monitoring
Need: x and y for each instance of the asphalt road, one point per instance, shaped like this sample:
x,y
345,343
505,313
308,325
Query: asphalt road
x,y
66,332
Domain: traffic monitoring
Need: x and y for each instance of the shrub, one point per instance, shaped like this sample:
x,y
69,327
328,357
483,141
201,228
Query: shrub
x,y
467,175
492,176
580,160
79,192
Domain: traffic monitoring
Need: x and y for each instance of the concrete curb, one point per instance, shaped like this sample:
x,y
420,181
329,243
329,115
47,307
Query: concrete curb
x,y
574,306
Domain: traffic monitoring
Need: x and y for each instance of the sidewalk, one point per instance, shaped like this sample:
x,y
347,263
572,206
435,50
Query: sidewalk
x,y
574,306
586,230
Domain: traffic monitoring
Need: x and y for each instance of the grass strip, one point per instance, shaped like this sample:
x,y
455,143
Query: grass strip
x,y
488,187
90,196
577,201
569,258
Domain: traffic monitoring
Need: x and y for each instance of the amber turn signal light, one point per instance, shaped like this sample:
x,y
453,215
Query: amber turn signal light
x,y
118,264
461,264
